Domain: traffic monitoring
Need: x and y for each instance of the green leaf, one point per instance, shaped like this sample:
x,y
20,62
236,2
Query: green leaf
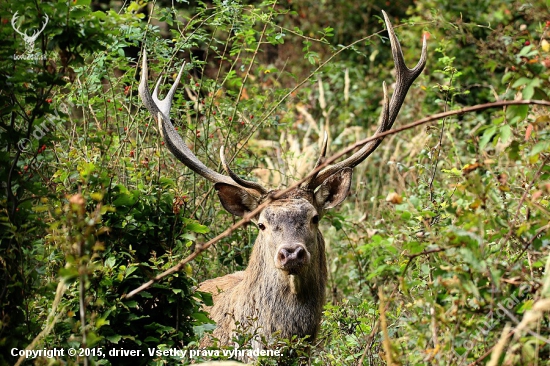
x,y
517,112
126,199
406,215
414,247
487,136
452,172
337,223
529,90
115,338
507,77
131,303
527,305
79,13
110,262
521,81
167,182
505,133
68,274
205,297
527,51
539,147
201,318
196,227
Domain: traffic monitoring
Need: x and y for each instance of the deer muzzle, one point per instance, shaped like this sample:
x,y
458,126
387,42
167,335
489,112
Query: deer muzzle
x,y
292,257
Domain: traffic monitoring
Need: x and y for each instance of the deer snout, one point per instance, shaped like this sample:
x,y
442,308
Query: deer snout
x,y
291,257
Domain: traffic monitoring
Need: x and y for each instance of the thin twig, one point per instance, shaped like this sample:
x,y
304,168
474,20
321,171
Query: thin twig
x,y
499,347
490,350
374,331
246,75
299,85
524,197
440,142
516,320
51,320
384,324
425,252
528,244
413,256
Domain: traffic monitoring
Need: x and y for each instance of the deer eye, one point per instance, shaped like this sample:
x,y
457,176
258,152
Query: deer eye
x,y
261,226
315,219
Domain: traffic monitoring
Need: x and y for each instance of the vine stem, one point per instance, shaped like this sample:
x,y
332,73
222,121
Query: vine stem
x,y
248,217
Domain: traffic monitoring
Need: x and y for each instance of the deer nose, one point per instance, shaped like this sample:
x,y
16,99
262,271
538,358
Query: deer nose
x,y
291,257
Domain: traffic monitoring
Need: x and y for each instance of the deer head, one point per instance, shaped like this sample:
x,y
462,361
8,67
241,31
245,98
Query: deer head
x,y
287,270
29,40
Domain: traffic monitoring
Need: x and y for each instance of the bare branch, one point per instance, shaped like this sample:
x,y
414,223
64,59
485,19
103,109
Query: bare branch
x,y
247,218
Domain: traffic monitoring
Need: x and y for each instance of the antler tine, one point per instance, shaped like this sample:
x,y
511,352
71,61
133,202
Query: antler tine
x,y
320,160
404,76
45,23
242,182
160,109
36,33
13,21
404,79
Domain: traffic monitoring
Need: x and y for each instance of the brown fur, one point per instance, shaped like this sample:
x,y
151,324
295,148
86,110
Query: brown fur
x,y
289,303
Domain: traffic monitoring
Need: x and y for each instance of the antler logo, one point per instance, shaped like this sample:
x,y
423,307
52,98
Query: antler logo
x,y
29,40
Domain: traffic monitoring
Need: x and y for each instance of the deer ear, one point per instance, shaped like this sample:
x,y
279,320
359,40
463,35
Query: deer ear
x,y
235,200
334,189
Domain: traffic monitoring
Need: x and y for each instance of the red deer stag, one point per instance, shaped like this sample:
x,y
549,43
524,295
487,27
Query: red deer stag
x,y
283,288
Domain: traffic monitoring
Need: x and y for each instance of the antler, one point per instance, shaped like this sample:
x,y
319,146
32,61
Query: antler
x,y
160,109
13,21
25,36
242,182
319,161
37,33
404,79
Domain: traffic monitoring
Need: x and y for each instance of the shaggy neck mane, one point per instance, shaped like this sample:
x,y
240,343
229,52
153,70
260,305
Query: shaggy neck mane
x,y
270,288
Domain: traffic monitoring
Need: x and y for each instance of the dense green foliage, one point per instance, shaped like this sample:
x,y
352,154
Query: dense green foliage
x,y
442,247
